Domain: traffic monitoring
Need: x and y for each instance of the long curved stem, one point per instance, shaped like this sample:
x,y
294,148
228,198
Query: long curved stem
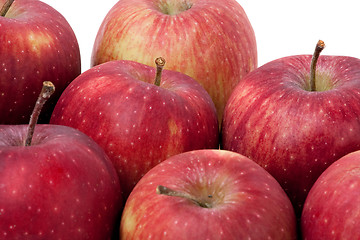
x,y
47,90
6,7
318,49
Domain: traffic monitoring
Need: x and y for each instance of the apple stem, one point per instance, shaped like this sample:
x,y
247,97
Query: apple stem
x,y
47,90
170,192
318,49
6,7
160,63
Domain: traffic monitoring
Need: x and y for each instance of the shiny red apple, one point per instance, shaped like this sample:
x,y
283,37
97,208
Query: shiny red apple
x,y
208,194
36,44
55,183
295,125
332,208
137,122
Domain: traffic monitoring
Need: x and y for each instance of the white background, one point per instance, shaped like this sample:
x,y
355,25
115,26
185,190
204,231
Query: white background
x,y
282,27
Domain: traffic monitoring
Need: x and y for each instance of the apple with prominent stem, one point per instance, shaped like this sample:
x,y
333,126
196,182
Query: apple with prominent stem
x,y
139,123
212,41
36,44
332,208
295,116
55,182
208,194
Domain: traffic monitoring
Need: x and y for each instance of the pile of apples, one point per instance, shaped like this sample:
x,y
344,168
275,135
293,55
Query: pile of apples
x,y
174,132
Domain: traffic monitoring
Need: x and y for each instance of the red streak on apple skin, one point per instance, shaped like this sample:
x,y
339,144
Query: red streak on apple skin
x,y
137,123
293,133
37,45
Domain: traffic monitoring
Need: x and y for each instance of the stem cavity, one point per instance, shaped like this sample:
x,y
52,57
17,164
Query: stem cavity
x,y
6,7
160,63
170,192
47,90
318,49
174,8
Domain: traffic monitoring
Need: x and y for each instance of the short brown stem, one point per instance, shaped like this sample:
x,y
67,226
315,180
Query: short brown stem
x,y
318,49
170,192
160,63
5,8
47,90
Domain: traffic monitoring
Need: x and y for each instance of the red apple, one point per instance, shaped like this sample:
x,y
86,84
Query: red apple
x,y
36,44
138,123
332,208
55,183
210,40
208,194
295,132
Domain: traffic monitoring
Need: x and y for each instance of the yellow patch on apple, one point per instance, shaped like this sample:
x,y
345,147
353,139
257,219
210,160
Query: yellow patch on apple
x,y
40,40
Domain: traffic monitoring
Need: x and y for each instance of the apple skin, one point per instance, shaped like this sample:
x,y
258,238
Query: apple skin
x,y
63,186
332,208
295,134
137,123
37,44
247,202
213,41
